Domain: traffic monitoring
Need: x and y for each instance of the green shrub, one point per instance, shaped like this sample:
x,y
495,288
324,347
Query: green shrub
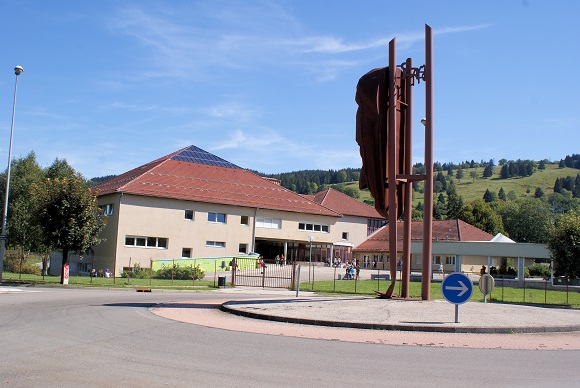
x,y
507,271
180,273
14,262
537,270
136,272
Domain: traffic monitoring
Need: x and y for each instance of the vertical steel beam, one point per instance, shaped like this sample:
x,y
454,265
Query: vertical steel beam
x,y
392,160
408,188
428,210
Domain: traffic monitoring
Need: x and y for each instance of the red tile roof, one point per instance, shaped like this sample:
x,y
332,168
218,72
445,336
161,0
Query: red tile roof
x,y
344,204
195,175
447,230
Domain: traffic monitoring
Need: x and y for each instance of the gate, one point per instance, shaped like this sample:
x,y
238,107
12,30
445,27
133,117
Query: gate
x,y
256,273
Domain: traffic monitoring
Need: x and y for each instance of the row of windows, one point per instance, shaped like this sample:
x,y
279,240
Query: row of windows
x,y
314,227
268,223
219,218
448,260
162,243
147,242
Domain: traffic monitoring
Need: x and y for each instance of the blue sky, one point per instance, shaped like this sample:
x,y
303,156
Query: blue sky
x,y
269,85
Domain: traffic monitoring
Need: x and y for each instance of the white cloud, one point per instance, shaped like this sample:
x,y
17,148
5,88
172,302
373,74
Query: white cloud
x,y
258,139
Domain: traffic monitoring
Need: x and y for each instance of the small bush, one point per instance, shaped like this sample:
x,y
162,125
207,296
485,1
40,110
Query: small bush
x,y
180,273
14,262
537,270
136,272
507,271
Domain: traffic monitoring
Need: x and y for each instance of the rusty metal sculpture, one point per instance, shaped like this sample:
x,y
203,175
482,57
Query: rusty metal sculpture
x,y
384,133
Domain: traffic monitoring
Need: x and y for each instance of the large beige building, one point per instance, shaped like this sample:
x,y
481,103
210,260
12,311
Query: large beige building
x,y
192,203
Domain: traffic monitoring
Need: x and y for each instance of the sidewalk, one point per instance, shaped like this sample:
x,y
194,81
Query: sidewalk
x,y
406,315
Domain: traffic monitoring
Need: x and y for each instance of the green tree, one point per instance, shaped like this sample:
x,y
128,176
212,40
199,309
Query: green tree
x,y
488,170
454,206
482,216
512,195
526,220
60,169
473,175
22,229
459,174
539,193
489,196
501,194
564,244
542,164
68,214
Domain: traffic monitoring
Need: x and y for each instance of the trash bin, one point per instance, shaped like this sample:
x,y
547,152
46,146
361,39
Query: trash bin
x,y
221,281
339,276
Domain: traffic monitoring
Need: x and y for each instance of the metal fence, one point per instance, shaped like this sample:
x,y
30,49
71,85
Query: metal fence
x,y
257,273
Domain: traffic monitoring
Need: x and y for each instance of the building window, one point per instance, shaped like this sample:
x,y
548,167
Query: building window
x,y
437,260
373,225
147,242
313,227
189,215
219,218
186,252
345,235
245,220
107,209
217,244
450,260
269,223
243,248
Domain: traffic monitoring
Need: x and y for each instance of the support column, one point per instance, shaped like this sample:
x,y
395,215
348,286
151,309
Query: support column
x,y
408,185
428,210
521,275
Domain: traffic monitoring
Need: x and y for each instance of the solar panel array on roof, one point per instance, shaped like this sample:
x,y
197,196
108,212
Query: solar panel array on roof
x,y
194,154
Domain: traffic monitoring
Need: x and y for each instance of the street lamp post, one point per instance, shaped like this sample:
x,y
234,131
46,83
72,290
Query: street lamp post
x,y
310,238
17,70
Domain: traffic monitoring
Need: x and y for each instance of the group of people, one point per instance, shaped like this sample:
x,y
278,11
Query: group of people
x,y
352,270
100,274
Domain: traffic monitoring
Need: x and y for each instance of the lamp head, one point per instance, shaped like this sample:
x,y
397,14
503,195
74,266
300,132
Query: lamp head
x,y
18,70
424,121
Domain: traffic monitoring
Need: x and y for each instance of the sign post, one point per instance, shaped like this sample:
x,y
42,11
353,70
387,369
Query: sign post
x,y
65,268
457,289
486,284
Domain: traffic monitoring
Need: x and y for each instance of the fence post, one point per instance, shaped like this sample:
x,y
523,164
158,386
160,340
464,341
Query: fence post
x,y
334,286
150,271
234,268
263,274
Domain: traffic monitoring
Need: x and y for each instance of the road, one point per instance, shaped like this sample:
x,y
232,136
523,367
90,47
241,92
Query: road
x,y
55,337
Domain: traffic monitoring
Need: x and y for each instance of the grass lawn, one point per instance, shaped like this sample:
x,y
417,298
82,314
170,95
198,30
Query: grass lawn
x,y
340,287
85,281
499,294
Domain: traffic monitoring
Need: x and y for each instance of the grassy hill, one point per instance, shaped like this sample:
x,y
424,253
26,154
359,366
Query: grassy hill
x,y
471,189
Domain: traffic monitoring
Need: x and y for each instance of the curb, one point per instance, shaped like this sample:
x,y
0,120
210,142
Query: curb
x,y
225,307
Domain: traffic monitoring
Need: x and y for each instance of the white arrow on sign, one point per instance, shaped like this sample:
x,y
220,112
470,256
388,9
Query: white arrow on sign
x,y
463,288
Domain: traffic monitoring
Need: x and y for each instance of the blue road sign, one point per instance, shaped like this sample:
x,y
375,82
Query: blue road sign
x,y
457,288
